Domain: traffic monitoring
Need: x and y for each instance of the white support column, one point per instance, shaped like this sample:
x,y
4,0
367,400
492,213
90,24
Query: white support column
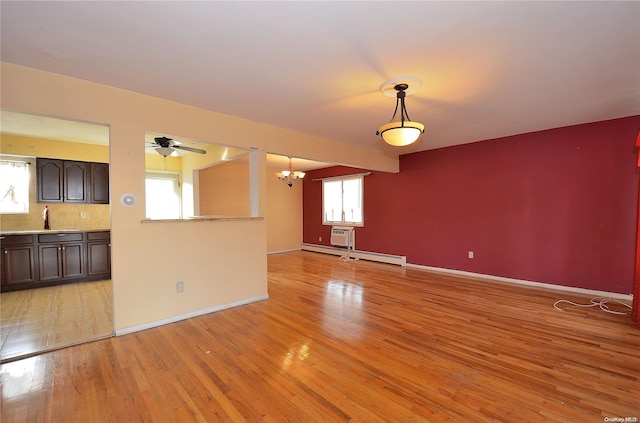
x,y
257,182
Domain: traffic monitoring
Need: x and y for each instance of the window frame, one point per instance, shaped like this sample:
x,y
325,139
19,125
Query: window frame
x,y
342,179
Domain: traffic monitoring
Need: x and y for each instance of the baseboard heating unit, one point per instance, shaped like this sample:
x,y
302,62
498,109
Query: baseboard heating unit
x,y
363,255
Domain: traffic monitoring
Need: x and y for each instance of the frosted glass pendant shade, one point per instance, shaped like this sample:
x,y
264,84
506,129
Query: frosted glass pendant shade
x,y
399,134
164,151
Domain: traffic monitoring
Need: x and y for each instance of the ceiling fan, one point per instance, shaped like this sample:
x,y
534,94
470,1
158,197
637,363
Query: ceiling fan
x,y
167,146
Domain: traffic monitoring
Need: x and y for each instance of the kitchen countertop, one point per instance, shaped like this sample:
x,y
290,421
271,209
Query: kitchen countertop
x,y
51,231
202,219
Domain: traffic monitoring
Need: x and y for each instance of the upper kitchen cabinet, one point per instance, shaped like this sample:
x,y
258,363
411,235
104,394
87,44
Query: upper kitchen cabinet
x,y
76,182
66,181
99,183
50,174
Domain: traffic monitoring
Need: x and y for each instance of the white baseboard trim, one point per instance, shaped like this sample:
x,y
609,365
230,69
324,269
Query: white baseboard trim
x,y
401,260
197,313
282,251
591,292
364,255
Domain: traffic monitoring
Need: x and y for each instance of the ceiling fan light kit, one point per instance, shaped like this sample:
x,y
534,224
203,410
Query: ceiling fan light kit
x,y
164,151
403,132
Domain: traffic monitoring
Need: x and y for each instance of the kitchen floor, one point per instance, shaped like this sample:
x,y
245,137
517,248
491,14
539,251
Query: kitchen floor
x,y
43,319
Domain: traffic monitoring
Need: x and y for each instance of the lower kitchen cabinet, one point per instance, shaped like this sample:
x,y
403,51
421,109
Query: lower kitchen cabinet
x,y
99,254
60,261
18,260
45,259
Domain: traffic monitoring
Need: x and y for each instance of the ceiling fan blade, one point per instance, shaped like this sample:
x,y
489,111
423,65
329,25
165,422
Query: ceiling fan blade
x,y
191,149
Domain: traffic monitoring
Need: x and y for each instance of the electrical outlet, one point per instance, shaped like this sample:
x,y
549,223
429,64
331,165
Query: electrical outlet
x,y
319,239
470,254
83,215
180,287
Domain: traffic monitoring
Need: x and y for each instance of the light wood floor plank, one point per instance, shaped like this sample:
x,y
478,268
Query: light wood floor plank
x,y
337,342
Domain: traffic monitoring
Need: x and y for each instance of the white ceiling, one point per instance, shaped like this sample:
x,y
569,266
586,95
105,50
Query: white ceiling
x,y
488,69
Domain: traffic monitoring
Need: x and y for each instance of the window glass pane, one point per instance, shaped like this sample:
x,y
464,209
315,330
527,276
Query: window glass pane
x,y
162,194
14,187
332,200
352,200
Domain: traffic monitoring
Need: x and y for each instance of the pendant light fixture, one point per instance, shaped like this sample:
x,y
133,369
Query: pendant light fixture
x,y
290,177
404,131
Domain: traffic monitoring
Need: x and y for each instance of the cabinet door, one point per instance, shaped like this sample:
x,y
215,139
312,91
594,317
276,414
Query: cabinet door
x,y
60,261
100,183
72,260
18,265
99,259
76,182
50,175
50,262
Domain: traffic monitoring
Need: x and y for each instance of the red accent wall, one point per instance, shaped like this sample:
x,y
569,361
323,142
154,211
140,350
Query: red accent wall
x,y
556,206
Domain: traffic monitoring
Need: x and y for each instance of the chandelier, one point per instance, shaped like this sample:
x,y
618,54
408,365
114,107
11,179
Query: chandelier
x,y
290,177
404,131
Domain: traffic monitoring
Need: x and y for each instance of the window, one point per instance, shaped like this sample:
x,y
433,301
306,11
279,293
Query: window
x,y
162,195
14,186
342,201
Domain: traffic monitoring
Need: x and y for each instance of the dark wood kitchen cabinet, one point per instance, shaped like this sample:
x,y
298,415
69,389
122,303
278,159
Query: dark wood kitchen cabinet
x,y
18,260
76,182
54,258
99,254
50,176
68,181
60,256
99,183
62,181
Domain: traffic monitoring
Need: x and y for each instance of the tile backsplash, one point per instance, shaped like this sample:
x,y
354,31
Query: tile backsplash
x,y
61,216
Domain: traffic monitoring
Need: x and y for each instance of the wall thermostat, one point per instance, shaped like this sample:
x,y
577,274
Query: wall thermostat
x,y
128,200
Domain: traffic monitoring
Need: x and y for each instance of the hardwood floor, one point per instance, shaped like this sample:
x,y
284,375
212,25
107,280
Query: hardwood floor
x,y
43,319
358,341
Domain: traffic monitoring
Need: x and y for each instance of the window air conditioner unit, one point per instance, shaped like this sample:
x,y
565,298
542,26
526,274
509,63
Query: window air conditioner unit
x,y
343,237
